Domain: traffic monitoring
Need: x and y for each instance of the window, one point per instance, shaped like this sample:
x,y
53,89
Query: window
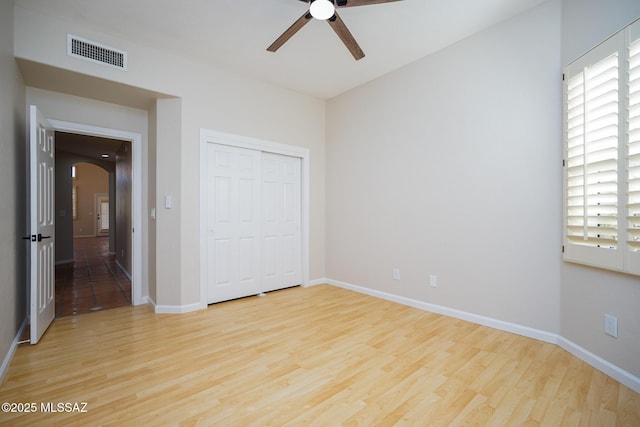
x,y
74,202
602,155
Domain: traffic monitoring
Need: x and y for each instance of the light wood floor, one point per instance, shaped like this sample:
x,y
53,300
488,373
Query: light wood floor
x,y
320,356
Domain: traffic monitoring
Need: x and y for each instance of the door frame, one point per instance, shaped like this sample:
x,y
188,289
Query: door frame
x,y
208,136
136,191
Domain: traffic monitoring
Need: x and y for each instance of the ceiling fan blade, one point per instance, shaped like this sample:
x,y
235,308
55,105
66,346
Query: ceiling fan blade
x,y
345,35
353,3
294,28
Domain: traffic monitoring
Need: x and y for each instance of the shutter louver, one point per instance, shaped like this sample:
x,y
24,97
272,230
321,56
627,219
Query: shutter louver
x,y
576,224
633,149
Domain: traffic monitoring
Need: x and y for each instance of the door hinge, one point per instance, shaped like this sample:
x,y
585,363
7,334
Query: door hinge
x,y
562,76
562,248
564,162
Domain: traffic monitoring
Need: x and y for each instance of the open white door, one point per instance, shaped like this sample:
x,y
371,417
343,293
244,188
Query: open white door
x,y
42,206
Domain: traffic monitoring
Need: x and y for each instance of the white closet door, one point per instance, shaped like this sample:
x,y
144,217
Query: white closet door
x,y
234,222
280,222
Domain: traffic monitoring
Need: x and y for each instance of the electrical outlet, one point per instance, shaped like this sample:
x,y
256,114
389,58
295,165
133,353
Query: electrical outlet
x,y
433,280
396,273
611,325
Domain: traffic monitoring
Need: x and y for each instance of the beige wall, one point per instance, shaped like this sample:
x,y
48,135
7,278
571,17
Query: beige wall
x,y
13,172
588,293
150,229
168,167
444,167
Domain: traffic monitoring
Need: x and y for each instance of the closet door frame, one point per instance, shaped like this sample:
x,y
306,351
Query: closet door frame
x,y
208,136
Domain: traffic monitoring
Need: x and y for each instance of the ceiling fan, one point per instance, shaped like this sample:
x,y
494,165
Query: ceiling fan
x,y
326,10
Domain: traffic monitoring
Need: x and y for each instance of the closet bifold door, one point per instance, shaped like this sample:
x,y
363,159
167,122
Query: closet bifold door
x,y
253,222
281,222
233,222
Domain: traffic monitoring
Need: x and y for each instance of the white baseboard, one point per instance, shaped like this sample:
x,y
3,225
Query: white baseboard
x,y
177,309
601,364
124,271
148,300
586,356
12,351
315,282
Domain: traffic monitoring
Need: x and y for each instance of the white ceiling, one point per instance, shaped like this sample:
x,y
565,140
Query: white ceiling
x,y
234,34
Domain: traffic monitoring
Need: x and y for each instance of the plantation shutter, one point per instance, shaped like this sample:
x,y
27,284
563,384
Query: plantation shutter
x,y
633,152
602,155
592,118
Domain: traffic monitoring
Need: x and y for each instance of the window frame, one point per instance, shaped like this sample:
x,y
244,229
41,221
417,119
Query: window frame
x,y
621,256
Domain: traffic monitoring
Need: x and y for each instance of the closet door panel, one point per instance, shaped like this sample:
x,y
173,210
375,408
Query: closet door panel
x,y
233,222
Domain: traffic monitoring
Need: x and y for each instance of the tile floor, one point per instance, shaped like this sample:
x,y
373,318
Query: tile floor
x,y
92,282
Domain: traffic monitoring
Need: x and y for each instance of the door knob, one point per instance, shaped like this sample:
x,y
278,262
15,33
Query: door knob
x,y
40,237
32,238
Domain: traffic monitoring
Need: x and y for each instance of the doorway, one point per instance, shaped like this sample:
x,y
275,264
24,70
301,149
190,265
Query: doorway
x,y
102,215
93,253
127,234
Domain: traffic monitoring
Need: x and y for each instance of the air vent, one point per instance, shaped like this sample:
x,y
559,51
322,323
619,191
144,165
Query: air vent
x,y
96,52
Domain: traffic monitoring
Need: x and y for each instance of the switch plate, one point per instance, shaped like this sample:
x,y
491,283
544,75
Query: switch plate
x,y
433,280
396,273
168,202
611,325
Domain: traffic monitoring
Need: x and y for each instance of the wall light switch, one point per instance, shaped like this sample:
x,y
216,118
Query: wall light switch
x,y
396,274
153,213
433,280
168,202
611,325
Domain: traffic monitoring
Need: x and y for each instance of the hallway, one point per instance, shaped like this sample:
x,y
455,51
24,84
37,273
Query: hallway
x,y
92,282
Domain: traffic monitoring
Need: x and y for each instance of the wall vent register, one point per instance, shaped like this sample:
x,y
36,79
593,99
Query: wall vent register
x,y
88,50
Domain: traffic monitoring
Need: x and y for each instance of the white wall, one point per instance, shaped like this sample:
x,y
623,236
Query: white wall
x,y
452,166
12,184
211,99
588,293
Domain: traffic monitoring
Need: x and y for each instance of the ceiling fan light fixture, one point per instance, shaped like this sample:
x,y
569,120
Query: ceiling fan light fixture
x,y
322,9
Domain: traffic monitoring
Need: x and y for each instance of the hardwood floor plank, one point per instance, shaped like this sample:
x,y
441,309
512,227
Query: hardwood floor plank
x,y
315,356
